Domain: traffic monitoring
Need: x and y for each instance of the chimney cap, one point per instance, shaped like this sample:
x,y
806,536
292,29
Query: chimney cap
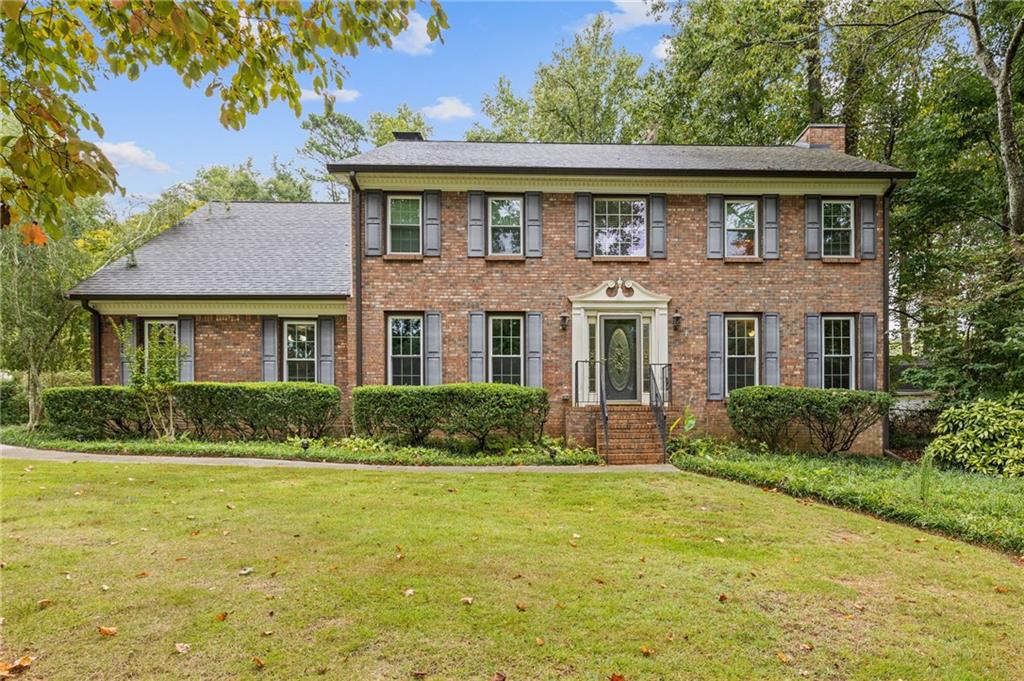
x,y
408,135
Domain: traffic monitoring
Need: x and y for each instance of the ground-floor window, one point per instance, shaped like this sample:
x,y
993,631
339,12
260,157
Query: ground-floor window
x,y
300,351
405,350
161,341
506,344
837,352
741,352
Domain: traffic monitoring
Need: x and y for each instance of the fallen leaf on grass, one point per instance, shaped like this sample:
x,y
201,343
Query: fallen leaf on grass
x,y
142,574
646,652
409,592
245,571
807,646
105,587
720,540
231,507
220,616
108,631
267,633
467,600
45,603
783,657
539,641
19,665
598,580
257,662
194,533
418,674
616,677
1002,590
520,607
919,540
498,676
180,559
722,598
182,648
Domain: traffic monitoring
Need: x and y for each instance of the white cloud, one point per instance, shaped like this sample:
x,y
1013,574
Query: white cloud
x,y
662,49
627,15
414,39
448,108
343,95
130,153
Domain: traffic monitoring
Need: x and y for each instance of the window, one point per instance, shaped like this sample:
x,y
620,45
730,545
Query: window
x,y
741,343
161,341
740,228
404,214
592,356
645,344
505,222
405,350
837,352
300,351
837,228
506,342
620,227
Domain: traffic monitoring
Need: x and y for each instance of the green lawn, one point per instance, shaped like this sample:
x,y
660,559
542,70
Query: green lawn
x,y
718,579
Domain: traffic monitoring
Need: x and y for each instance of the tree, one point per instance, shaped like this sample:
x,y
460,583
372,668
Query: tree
x,y
332,137
509,115
244,183
382,126
247,53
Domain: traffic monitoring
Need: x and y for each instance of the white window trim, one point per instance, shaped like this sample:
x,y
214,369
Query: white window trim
x,y
490,345
152,321
853,347
522,218
757,346
593,226
423,322
757,227
316,348
853,227
419,202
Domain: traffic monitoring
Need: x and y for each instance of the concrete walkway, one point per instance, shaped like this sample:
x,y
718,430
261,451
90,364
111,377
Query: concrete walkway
x,y
24,453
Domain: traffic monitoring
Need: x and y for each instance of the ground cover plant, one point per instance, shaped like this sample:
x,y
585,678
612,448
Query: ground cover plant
x,y
272,573
985,436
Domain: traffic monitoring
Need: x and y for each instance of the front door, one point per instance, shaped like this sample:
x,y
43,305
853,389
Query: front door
x,y
620,359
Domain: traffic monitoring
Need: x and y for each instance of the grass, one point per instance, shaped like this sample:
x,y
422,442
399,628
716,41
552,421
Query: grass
x,y
571,576
971,506
346,450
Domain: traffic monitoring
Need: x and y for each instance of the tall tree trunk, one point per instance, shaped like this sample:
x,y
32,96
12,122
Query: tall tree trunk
x,y
1009,150
812,58
906,339
32,391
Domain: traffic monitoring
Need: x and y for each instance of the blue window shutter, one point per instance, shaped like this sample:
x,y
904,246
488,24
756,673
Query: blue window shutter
x,y
868,237
269,350
771,348
477,224
716,356
812,227
431,223
432,348
533,212
127,351
770,249
868,341
812,350
716,226
325,350
187,340
534,350
584,225
659,228
373,212
477,347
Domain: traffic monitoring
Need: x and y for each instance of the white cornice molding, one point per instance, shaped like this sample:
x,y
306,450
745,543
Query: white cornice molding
x,y
619,293
184,306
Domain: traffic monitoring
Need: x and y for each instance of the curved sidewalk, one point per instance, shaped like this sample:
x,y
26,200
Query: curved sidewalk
x,y
25,453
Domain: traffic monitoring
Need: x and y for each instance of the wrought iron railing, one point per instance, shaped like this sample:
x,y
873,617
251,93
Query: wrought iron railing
x,y
588,388
659,378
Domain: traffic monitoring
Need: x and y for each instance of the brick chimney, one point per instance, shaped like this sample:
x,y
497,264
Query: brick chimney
x,y
823,136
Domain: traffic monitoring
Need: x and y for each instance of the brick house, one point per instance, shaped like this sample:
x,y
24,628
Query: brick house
x,y
628,280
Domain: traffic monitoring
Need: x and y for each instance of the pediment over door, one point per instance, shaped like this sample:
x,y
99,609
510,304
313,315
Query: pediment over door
x,y
620,292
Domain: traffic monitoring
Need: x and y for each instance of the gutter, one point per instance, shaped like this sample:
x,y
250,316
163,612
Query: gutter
x,y
357,272
886,202
97,340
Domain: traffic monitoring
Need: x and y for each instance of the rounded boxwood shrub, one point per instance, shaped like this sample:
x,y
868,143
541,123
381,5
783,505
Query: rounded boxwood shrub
x,y
763,413
985,436
95,411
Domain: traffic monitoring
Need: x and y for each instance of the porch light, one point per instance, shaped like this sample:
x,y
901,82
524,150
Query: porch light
x,y
677,321
563,321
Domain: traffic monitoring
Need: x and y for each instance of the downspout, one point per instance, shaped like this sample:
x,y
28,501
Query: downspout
x,y
886,201
357,274
97,340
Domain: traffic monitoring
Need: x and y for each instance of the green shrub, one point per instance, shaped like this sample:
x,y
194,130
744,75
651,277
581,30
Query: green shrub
x,y
95,411
475,410
765,414
985,436
13,403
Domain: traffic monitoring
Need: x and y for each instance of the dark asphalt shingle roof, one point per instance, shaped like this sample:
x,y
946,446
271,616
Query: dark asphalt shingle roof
x,y
632,159
238,249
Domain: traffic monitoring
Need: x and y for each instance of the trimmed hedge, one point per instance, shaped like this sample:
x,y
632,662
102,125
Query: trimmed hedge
x,y
475,410
985,436
209,410
833,417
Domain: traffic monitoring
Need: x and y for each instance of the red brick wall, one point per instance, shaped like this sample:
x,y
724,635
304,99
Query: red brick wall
x,y
833,136
456,284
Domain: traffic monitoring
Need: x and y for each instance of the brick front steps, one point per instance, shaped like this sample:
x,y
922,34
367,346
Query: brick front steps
x,y
632,436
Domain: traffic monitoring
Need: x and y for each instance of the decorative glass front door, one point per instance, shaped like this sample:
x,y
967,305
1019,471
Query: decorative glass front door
x,y
620,359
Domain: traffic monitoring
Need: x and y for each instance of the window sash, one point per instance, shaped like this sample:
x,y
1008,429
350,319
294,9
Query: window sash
x,y
838,363
618,231
749,359
409,232
511,363
409,361
746,234
150,323
511,229
299,368
837,241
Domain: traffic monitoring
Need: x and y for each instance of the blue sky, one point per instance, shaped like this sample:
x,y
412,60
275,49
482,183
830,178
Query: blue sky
x,y
158,132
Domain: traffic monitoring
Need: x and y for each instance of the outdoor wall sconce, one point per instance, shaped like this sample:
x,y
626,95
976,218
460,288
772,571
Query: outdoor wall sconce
x,y
677,321
564,321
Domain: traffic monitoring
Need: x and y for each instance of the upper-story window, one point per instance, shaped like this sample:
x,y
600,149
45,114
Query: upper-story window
x,y
405,215
837,352
405,350
300,351
505,225
837,228
620,227
740,227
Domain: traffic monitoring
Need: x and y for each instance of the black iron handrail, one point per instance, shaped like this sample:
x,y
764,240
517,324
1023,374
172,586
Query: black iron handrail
x,y
659,376
582,392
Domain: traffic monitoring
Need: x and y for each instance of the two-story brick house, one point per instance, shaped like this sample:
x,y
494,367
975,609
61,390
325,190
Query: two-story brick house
x,y
615,276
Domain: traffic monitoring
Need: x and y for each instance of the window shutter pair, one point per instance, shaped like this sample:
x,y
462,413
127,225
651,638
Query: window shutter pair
x,y
533,350
716,352
532,222
657,207
769,227
812,228
868,328
373,223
